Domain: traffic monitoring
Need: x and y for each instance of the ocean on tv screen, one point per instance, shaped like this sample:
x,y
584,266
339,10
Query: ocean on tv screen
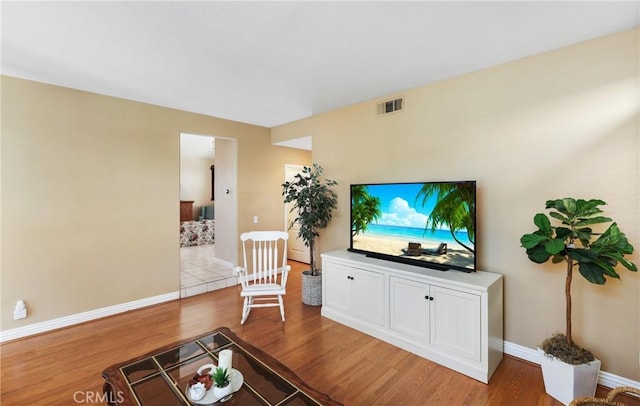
x,y
394,240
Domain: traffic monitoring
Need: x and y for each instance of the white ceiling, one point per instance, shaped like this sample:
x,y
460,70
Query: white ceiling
x,y
269,63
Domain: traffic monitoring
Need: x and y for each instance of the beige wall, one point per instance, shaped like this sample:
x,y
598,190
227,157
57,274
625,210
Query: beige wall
x,y
195,182
90,186
563,123
260,199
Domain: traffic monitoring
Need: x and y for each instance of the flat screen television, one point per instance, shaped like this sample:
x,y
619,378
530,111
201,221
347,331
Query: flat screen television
x,y
428,224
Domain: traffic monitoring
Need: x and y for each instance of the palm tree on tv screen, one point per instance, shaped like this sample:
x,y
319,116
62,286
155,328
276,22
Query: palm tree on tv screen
x,y
365,209
455,208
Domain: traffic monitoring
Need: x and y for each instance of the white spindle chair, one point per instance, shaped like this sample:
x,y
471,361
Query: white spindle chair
x,y
265,271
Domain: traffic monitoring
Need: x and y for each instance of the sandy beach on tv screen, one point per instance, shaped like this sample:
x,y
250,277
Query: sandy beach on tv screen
x,y
456,255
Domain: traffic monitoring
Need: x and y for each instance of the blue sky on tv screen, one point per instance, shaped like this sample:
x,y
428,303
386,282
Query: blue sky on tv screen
x,y
399,206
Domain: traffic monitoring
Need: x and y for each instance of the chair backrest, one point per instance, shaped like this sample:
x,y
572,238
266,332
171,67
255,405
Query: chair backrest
x,y
265,255
414,249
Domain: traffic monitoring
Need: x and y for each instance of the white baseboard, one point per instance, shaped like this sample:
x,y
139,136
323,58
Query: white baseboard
x,y
66,321
604,378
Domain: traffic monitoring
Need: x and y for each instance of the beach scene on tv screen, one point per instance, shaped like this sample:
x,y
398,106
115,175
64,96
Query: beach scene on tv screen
x,y
431,222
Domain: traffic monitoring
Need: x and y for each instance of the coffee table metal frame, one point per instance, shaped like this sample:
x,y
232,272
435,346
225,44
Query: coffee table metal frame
x,y
161,376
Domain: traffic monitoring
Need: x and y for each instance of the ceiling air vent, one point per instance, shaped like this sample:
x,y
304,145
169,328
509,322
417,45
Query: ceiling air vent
x,y
390,106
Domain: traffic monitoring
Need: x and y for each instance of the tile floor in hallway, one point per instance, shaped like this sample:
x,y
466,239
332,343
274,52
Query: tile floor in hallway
x,y
201,271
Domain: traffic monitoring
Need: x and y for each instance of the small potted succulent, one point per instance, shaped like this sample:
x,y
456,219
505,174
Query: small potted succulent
x,y
221,383
595,256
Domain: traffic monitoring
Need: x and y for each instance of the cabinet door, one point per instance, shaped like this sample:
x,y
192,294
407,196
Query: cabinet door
x,y
337,286
368,295
409,308
455,322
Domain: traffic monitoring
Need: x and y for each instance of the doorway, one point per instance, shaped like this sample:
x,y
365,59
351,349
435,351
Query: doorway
x,y
208,249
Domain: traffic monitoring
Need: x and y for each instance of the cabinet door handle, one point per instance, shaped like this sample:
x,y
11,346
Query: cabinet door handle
x,y
430,297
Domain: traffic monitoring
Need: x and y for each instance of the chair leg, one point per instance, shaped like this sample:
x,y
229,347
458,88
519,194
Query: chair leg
x,y
245,310
281,306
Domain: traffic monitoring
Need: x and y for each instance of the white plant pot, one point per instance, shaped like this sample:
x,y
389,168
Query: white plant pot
x,y
565,382
220,393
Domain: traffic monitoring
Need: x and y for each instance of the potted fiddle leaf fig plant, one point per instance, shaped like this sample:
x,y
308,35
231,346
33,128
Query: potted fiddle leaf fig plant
x,y
313,201
595,256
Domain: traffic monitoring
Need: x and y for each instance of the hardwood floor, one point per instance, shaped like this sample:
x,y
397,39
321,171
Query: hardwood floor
x,y
64,367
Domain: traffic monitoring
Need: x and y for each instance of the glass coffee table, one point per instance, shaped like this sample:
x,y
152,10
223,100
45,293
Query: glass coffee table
x,y
162,377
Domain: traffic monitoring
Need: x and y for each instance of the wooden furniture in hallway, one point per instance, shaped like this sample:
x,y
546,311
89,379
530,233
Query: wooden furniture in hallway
x,y
186,210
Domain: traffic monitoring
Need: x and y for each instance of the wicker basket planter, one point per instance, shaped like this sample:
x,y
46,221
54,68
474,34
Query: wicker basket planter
x,y
312,288
610,400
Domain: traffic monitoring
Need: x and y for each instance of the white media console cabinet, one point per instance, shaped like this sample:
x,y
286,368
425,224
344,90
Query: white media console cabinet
x,y
449,317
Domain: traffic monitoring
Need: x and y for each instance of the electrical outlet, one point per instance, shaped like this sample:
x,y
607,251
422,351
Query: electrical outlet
x,y
255,219
20,311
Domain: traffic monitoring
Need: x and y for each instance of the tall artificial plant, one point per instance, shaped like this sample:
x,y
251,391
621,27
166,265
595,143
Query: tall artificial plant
x,y
314,201
573,241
